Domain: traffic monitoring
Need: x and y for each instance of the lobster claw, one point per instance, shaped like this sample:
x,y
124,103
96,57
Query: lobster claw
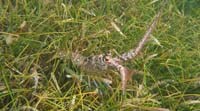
x,y
125,76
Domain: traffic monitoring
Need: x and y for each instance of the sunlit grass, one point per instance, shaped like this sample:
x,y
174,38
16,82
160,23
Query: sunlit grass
x,y
37,38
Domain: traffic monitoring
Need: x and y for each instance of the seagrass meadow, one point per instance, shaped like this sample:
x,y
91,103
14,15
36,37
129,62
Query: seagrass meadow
x,y
38,39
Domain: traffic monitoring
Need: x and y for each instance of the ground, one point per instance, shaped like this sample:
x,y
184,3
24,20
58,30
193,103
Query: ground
x,y
37,38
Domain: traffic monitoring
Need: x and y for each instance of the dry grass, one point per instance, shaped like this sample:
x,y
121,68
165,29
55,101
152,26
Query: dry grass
x,y
37,39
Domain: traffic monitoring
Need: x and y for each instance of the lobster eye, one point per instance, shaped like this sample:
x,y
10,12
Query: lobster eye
x,y
106,59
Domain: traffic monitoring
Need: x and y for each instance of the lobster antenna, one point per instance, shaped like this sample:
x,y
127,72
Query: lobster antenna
x,y
133,53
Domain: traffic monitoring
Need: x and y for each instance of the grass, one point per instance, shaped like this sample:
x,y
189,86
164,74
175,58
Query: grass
x,y
38,36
